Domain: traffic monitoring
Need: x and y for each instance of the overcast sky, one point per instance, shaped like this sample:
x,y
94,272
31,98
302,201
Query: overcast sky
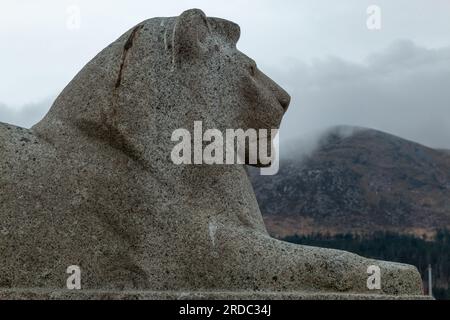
x,y
337,71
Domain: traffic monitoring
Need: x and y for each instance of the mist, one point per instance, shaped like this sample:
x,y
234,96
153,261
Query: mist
x,y
27,115
402,90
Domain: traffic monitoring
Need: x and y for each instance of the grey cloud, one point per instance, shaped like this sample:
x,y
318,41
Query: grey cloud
x,y
403,90
25,116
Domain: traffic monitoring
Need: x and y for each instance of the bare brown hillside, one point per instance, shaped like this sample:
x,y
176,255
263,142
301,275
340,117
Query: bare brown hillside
x,y
362,183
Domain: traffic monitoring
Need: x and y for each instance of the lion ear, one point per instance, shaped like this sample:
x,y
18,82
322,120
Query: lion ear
x,y
190,31
229,30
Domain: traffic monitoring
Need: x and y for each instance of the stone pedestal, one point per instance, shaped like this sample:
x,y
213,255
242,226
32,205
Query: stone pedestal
x,y
42,294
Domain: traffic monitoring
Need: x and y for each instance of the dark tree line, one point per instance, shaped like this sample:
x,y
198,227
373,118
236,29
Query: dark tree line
x,y
395,247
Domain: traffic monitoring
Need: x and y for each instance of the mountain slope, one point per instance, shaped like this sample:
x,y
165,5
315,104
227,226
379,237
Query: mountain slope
x,y
362,182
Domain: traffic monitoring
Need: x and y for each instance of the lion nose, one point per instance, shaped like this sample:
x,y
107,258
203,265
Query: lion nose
x,y
282,96
285,99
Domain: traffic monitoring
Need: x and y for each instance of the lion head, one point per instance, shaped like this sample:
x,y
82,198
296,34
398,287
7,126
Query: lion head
x,y
164,74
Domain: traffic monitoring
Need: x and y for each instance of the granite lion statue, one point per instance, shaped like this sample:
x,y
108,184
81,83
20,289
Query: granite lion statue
x,y
93,185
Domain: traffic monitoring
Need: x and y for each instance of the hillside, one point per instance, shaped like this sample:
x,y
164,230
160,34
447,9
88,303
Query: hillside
x,y
361,183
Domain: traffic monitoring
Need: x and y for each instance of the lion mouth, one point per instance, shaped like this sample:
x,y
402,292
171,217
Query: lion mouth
x,y
284,103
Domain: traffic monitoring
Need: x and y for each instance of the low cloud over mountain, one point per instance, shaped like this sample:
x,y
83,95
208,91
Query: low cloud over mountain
x,y
25,116
402,90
